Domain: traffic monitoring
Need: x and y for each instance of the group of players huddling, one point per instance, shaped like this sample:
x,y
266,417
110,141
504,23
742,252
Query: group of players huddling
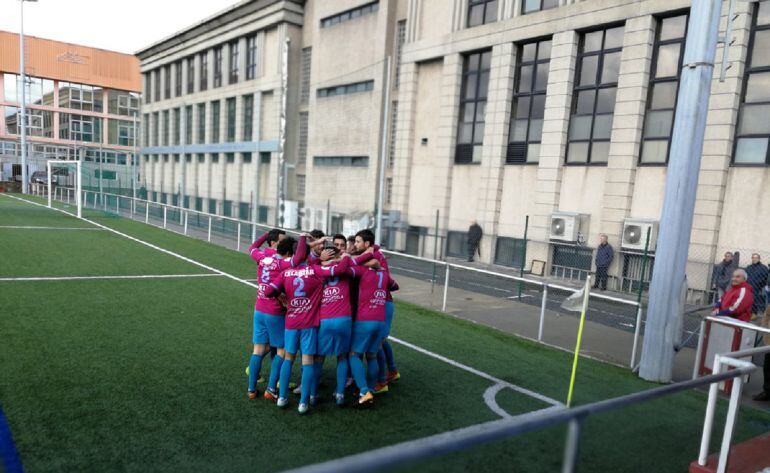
x,y
322,297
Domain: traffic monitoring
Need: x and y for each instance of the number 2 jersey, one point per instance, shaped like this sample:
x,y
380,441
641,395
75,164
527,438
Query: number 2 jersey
x,y
304,287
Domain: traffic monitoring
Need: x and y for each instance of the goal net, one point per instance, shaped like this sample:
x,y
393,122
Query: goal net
x,y
63,182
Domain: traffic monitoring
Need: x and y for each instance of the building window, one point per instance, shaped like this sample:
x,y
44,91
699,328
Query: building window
x,y
81,96
190,75
481,12
218,67
120,132
188,124
457,244
753,132
300,184
147,88
233,73
664,84
302,151
167,82
393,123
156,84
215,122
201,123
348,15
230,157
400,40
201,158
155,129
473,106
307,55
80,128
532,6
246,158
178,79
596,82
365,86
510,251
177,125
248,117
528,107
389,191
146,122
230,119
571,262
214,157
122,103
204,71
350,161
251,57
165,127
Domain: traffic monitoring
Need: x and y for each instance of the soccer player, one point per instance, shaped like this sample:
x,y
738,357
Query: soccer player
x,y
370,319
303,287
336,325
268,323
387,366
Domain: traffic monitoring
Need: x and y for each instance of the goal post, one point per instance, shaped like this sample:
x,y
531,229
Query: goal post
x,y
77,184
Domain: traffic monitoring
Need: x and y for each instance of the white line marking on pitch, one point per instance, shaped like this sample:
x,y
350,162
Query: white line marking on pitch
x,y
83,278
22,227
451,362
489,399
481,374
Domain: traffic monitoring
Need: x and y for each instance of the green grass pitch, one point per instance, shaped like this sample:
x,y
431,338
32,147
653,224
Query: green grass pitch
x,y
147,374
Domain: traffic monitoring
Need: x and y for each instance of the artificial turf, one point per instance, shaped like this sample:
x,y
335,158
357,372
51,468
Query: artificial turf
x,y
147,375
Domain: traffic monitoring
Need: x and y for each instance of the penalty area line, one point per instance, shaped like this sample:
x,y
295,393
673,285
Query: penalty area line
x,y
85,278
419,349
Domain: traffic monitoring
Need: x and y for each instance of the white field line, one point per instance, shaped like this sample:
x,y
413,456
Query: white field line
x,y
85,278
449,361
22,227
489,399
481,374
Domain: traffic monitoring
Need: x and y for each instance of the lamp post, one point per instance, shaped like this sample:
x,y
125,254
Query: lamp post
x,y
23,117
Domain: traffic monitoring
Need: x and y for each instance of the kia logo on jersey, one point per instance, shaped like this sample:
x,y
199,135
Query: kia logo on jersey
x,y
299,302
380,294
331,291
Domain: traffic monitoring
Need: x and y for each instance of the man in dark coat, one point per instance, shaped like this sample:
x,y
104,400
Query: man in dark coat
x,y
723,272
757,277
474,240
603,260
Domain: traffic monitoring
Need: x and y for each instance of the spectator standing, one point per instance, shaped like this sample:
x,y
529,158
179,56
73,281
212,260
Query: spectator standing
x,y
604,255
757,274
737,300
474,240
720,278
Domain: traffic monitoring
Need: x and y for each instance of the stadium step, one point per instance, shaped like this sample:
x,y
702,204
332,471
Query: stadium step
x,y
751,456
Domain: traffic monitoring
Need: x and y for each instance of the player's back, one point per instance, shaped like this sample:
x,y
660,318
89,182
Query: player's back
x,y
304,288
372,293
336,298
269,266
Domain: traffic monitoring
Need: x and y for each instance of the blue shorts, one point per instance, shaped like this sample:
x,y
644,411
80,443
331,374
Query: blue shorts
x,y
268,329
389,310
302,339
367,336
334,336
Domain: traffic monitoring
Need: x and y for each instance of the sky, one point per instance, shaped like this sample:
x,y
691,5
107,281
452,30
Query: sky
x,y
119,25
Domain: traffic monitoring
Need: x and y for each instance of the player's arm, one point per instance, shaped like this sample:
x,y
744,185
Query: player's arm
x,y
392,284
336,269
254,252
301,254
275,287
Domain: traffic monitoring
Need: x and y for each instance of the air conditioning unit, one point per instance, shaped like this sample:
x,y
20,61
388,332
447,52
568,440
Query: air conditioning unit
x,y
567,226
635,234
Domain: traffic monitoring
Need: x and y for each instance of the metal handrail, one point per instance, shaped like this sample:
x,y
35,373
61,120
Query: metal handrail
x,y
722,320
465,438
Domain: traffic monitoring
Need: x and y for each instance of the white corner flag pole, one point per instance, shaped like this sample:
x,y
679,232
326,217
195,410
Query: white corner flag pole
x,y
586,292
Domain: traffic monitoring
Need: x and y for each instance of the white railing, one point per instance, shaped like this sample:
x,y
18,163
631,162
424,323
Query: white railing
x,y
240,224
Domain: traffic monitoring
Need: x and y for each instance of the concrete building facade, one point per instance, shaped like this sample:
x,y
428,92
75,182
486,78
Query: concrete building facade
x,y
82,103
550,119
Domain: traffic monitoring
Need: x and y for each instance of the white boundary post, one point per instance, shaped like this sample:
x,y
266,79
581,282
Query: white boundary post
x,y
165,212
637,331
117,205
446,288
542,313
147,211
79,188
186,214
238,238
209,237
48,169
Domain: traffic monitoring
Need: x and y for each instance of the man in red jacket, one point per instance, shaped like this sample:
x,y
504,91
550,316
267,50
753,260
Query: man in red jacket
x,y
737,300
